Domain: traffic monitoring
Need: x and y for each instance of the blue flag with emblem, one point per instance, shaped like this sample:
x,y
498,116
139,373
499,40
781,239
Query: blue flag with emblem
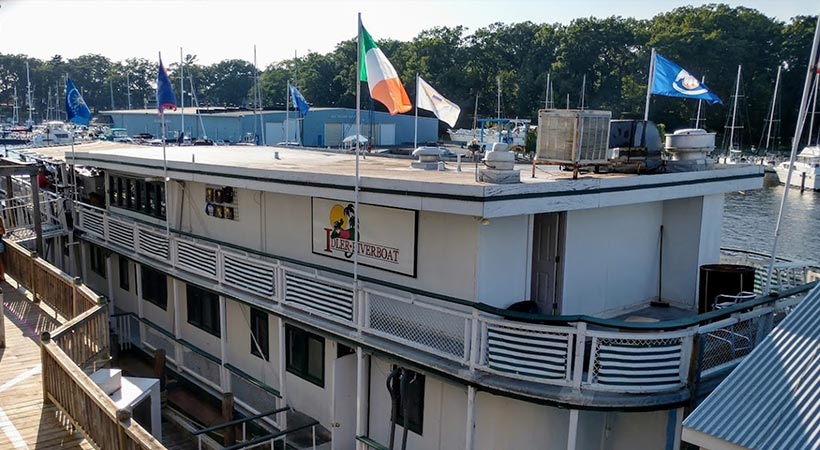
x,y
672,80
75,108
298,101
165,93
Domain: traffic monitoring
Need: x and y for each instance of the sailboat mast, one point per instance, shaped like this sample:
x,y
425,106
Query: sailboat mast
x,y
255,100
813,111
734,110
475,115
196,105
547,93
181,94
16,110
583,90
774,103
28,96
128,87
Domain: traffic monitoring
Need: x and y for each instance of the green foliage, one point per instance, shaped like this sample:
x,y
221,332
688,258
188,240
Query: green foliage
x,y
613,54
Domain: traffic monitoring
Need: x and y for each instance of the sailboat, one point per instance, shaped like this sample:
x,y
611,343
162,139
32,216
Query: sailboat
x,y
806,166
733,154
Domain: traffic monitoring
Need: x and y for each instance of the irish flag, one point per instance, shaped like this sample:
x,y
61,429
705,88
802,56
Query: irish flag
x,y
382,79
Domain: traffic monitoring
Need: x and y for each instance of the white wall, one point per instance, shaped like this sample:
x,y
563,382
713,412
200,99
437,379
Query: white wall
x,y
313,400
447,243
611,258
505,423
503,261
124,300
445,412
239,345
638,430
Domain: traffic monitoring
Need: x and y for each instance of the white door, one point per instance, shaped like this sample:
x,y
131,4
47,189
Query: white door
x,y
546,262
333,134
387,134
344,403
292,131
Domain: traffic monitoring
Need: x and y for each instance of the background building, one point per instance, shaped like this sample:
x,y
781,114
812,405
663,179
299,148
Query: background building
x,y
322,127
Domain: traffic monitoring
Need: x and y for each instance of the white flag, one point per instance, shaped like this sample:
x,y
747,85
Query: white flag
x,y
427,98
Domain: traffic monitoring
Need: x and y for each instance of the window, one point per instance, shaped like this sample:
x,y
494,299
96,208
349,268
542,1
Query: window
x,y
305,355
203,309
124,281
97,260
259,334
147,197
413,401
154,287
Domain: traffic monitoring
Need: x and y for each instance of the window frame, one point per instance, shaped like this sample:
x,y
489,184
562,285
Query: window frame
x,y
161,299
260,330
203,314
300,365
415,422
124,275
97,260
138,195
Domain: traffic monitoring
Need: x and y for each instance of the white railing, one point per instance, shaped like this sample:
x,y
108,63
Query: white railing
x,y
571,354
18,212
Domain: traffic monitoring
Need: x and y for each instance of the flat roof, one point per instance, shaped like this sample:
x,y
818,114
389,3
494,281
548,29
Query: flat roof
x,y
315,172
209,111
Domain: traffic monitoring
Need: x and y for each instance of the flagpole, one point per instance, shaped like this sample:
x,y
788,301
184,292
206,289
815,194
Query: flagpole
x,y
700,104
356,180
416,125
801,120
649,85
287,112
181,101
164,157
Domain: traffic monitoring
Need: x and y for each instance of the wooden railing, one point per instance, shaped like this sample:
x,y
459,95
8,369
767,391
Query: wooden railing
x,y
80,345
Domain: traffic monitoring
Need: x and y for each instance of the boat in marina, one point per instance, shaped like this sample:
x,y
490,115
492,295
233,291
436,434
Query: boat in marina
x,y
272,309
806,169
53,132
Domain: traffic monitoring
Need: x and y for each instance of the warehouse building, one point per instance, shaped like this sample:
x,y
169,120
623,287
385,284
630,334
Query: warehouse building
x,y
321,127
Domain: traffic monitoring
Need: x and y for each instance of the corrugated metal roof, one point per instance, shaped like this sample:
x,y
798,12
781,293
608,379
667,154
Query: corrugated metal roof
x,y
772,399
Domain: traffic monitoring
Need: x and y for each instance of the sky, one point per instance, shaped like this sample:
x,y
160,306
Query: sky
x,y
228,29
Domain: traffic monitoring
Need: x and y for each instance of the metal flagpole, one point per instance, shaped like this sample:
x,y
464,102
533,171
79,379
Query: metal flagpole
x,y
801,120
649,85
356,181
416,125
258,93
181,101
128,87
164,161
700,104
774,102
287,113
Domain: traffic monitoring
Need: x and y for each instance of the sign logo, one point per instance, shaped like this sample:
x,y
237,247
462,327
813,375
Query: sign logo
x,y
340,237
686,84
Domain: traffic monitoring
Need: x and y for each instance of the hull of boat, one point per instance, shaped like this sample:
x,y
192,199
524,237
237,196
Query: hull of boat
x,y
808,179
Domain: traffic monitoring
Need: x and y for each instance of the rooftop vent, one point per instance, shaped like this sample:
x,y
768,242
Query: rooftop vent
x,y
689,148
499,166
428,158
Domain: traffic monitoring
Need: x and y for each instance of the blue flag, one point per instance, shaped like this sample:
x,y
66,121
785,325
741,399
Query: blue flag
x,y
298,101
165,93
75,108
672,80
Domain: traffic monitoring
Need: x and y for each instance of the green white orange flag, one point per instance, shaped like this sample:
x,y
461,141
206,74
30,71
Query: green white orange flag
x,y
382,79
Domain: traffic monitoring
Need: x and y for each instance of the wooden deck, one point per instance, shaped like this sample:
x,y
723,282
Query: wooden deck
x,y
25,422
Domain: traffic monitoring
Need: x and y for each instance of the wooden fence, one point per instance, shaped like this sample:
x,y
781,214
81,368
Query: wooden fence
x,y
73,350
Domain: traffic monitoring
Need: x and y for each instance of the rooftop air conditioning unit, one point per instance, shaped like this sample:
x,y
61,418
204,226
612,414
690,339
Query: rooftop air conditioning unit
x,y
572,137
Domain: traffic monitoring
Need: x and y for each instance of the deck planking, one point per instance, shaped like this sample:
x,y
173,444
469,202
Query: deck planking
x,y
26,423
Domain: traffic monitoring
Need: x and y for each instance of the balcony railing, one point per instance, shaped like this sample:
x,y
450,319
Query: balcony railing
x,y
579,352
74,350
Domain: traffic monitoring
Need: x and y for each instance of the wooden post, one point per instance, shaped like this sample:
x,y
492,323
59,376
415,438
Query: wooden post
x,y
75,298
32,267
38,221
2,322
123,419
45,360
227,416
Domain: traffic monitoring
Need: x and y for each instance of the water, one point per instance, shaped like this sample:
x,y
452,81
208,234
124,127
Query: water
x,y
749,219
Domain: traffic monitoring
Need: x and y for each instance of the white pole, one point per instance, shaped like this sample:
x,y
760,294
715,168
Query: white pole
x,y
470,428
259,99
475,115
356,181
128,87
547,93
649,85
700,105
774,102
813,111
583,90
801,120
28,95
287,112
416,124
734,110
181,99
